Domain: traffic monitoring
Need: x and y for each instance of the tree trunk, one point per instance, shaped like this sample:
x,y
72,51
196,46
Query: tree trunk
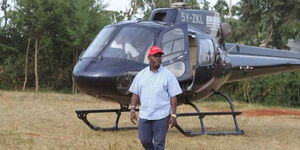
x,y
75,57
268,38
36,64
26,63
230,7
4,9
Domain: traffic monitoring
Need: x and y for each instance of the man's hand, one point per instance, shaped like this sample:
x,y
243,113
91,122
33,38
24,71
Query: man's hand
x,y
172,122
133,117
134,100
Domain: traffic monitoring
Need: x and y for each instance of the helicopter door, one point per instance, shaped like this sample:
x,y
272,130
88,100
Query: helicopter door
x,y
174,44
204,64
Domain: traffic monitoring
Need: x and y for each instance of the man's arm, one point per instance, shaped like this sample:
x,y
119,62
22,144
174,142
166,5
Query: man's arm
x,y
173,116
134,102
174,104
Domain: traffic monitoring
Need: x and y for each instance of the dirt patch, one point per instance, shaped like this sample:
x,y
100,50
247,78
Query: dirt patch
x,y
271,112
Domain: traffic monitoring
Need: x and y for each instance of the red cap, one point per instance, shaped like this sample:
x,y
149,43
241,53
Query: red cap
x,y
154,50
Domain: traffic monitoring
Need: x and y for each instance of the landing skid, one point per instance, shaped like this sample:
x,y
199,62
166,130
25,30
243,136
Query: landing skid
x,y
82,114
201,116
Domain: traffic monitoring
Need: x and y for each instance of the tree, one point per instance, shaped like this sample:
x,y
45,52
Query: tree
x,y
205,4
135,5
272,21
4,7
56,31
87,18
32,18
193,4
222,8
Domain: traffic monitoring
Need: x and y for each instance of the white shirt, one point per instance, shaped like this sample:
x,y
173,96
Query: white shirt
x,y
155,90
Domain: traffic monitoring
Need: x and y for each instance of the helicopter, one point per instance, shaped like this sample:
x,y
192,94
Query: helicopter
x,y
195,51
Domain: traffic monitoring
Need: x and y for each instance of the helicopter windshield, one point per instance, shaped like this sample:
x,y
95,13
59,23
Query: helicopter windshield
x,y
99,42
130,43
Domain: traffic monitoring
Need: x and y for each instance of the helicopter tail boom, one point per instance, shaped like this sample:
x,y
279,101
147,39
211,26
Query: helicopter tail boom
x,y
250,61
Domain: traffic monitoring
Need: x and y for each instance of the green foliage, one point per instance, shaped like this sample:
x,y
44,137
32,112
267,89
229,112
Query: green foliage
x,y
205,4
85,19
280,89
62,27
270,23
222,8
10,57
193,4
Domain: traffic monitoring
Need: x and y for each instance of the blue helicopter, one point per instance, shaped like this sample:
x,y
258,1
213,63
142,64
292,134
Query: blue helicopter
x,y
195,51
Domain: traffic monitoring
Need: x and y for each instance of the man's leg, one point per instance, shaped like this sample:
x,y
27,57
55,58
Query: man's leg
x,y
145,134
160,129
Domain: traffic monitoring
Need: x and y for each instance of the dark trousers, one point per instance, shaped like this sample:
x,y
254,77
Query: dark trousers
x,y
152,133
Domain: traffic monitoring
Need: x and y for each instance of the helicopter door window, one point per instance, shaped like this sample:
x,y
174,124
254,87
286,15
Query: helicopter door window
x,y
206,55
178,45
173,43
177,68
167,48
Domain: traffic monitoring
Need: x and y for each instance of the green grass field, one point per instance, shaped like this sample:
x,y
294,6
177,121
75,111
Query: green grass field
x,y
47,121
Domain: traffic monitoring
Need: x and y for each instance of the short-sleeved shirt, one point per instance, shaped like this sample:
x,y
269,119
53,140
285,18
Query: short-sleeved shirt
x,y
155,90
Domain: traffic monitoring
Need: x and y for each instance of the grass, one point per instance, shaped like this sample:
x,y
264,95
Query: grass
x,y
47,121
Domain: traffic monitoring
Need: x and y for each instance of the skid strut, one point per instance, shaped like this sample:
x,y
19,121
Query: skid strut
x,y
201,116
82,114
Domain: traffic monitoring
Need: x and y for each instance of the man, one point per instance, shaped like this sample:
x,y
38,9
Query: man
x,y
155,88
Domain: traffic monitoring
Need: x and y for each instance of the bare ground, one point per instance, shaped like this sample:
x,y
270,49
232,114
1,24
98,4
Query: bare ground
x,y
48,121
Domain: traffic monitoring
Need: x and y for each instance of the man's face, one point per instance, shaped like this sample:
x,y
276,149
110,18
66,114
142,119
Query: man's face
x,y
155,60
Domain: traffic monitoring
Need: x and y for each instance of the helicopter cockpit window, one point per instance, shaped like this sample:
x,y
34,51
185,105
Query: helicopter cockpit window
x,y
130,43
206,55
99,42
173,44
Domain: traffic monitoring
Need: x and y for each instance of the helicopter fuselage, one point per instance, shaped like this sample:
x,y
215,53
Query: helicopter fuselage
x,y
190,40
108,75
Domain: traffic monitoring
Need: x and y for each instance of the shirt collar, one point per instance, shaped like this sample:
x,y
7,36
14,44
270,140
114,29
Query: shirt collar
x,y
159,69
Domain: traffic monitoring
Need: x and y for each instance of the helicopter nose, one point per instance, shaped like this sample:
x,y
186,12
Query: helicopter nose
x,y
104,77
